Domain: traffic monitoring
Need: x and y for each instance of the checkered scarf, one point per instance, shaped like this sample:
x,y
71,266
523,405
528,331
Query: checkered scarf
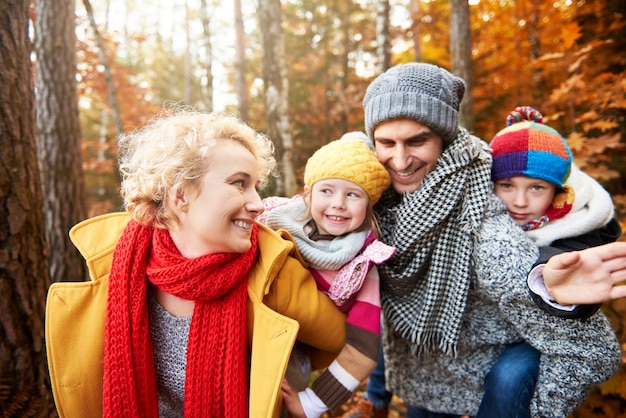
x,y
425,284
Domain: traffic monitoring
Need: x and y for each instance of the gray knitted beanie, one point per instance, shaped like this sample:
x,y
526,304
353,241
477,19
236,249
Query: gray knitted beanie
x,y
422,92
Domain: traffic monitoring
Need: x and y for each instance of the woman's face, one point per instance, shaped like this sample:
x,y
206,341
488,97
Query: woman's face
x,y
409,150
219,218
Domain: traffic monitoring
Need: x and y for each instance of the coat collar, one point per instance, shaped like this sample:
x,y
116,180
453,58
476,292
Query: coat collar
x,y
96,238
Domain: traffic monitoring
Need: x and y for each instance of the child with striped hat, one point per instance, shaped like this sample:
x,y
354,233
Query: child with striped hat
x,y
562,209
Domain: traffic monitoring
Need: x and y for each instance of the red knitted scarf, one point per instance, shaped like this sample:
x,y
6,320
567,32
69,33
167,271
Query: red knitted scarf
x,y
216,382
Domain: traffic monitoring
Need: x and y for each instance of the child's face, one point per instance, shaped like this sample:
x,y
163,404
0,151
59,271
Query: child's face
x,y
525,198
338,206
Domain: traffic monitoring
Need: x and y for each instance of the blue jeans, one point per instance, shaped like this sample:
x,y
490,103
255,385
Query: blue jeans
x,y
413,412
510,383
380,397
509,386
377,394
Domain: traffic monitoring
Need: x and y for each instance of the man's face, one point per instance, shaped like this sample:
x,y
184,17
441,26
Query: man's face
x,y
409,150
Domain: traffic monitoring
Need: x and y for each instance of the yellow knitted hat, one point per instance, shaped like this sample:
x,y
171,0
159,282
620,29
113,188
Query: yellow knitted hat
x,y
348,159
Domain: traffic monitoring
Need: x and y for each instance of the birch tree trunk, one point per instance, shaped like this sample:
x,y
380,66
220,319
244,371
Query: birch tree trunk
x,y
115,109
24,272
383,43
188,76
414,10
205,16
241,88
59,136
277,92
461,56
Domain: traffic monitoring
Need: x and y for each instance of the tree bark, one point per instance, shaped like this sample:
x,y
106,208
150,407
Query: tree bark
x,y
383,43
414,9
58,135
115,109
24,273
205,17
241,88
344,77
277,92
461,56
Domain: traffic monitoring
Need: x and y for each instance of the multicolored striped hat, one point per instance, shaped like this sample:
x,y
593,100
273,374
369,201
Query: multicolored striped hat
x,y
527,147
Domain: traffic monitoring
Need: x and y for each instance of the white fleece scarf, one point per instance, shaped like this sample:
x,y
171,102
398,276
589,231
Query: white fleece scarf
x,y
592,209
288,214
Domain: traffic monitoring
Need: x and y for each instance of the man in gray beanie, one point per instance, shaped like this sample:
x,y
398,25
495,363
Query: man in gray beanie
x,y
422,92
454,295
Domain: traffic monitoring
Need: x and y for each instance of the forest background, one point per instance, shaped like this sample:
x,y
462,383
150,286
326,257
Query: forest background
x,y
75,76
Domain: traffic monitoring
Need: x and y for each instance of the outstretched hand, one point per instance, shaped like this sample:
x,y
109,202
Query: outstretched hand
x,y
291,401
588,276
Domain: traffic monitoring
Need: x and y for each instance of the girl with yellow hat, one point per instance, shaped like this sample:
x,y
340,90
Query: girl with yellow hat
x,y
333,225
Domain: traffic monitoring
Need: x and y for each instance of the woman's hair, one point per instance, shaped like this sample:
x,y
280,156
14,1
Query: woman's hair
x,y
171,154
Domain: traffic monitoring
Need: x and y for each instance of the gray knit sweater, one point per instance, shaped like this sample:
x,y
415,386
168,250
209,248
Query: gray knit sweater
x,y
169,339
574,354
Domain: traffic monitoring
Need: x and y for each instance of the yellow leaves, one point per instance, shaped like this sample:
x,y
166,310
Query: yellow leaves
x,y
602,125
562,93
570,32
576,142
592,153
601,172
599,144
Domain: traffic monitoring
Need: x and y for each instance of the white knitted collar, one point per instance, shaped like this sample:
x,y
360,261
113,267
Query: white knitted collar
x,y
322,255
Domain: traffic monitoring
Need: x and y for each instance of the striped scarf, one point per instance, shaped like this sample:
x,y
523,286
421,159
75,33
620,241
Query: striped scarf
x,y
425,284
216,374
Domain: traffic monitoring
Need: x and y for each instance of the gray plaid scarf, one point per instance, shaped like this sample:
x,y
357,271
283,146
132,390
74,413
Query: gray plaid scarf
x,y
425,285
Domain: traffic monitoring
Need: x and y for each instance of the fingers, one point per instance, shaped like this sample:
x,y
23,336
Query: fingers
x,y
564,260
618,292
615,264
612,250
284,386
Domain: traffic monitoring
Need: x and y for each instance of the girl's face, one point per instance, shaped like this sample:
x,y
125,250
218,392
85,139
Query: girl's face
x,y
525,198
219,217
409,150
337,206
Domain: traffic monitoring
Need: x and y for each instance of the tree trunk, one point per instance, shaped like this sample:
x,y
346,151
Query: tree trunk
x,y
115,109
277,91
205,16
24,273
345,66
188,75
240,63
414,9
383,43
461,56
58,136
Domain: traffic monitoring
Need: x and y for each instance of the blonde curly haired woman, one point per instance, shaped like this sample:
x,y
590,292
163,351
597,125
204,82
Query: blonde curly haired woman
x,y
192,308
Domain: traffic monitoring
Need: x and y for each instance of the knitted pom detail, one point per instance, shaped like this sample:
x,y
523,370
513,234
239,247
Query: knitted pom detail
x,y
522,113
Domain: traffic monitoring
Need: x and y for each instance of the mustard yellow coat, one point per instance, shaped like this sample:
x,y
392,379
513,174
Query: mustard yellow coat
x,y
283,304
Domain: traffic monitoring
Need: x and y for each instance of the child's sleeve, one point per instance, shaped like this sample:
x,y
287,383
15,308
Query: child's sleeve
x,y
358,358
